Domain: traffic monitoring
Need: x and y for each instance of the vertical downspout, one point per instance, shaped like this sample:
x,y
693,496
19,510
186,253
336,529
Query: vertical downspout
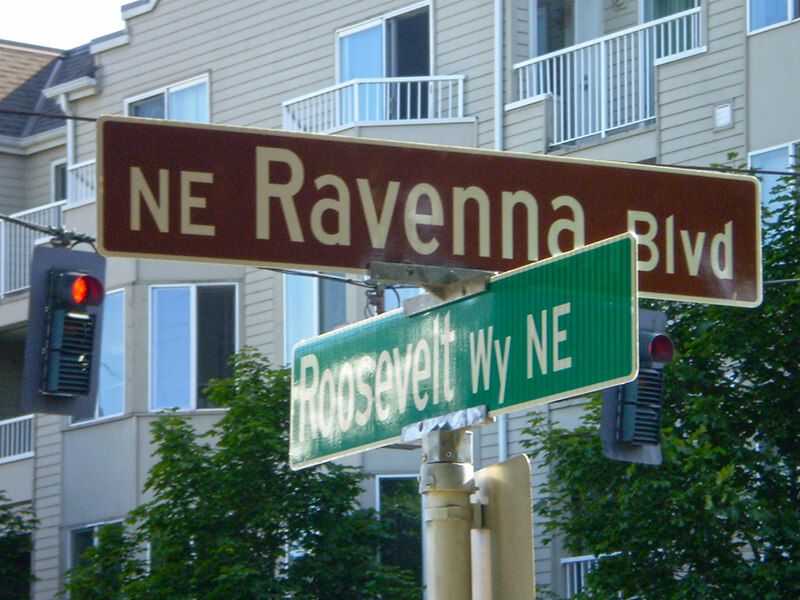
x,y
499,40
63,102
499,43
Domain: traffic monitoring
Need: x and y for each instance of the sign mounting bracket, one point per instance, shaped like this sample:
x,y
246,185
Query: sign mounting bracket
x,y
444,283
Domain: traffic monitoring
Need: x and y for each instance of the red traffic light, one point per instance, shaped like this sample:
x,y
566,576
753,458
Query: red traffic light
x,y
87,291
661,348
77,289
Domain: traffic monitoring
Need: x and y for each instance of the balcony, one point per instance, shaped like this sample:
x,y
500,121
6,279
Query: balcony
x,y
17,243
377,101
16,439
576,568
81,182
607,85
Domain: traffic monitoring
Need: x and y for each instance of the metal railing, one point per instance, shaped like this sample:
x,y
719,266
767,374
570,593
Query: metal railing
x,y
81,182
576,569
16,438
377,100
17,243
608,83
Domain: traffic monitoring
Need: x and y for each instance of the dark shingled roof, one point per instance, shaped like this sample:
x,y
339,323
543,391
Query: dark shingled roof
x,y
27,70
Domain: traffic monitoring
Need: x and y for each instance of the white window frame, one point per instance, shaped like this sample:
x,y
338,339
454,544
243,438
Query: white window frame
x,y
94,528
316,282
381,21
792,149
192,339
380,477
792,14
174,87
96,416
53,167
642,4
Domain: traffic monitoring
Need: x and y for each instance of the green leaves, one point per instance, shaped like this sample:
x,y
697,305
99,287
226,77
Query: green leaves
x,y
230,520
16,528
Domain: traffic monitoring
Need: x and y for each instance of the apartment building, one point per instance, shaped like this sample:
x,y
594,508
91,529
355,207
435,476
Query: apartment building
x,y
668,82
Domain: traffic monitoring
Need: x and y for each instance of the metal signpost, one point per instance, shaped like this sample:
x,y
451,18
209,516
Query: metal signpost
x,y
555,329
187,191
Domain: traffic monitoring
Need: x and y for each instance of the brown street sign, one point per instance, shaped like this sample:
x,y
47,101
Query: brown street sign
x,y
185,191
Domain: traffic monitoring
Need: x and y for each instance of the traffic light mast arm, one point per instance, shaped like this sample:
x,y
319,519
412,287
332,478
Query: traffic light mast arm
x,y
61,236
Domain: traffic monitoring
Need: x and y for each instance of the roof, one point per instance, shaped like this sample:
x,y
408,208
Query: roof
x,y
25,71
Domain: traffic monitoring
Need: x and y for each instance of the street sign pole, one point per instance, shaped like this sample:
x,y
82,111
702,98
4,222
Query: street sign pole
x,y
477,526
446,484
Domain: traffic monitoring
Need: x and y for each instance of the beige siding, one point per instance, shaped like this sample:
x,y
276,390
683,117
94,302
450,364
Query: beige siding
x,y
39,179
623,17
263,309
690,89
47,505
12,190
465,45
526,127
772,107
519,26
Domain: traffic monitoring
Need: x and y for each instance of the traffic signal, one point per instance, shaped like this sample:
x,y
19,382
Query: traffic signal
x,y
62,350
630,421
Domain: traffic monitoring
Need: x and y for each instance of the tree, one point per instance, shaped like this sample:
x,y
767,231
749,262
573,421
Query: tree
x,y
229,519
720,518
16,527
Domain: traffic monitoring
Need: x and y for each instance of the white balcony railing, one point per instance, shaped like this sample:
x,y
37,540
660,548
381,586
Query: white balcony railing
x,y
16,438
17,242
81,182
608,83
379,100
576,569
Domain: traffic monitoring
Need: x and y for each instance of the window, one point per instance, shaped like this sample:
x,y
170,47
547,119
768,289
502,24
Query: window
x,y
185,101
192,336
313,305
391,46
82,540
59,180
775,159
399,506
555,25
396,45
87,537
394,297
111,374
111,381
16,565
658,9
764,13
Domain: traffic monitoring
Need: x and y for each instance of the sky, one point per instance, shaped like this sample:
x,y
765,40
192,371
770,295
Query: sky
x,y
62,24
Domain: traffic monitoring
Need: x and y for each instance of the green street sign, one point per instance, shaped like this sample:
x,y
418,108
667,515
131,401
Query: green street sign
x,y
554,329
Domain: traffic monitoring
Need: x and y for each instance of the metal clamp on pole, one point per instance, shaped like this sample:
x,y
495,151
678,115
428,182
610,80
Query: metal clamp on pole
x,y
444,284
446,484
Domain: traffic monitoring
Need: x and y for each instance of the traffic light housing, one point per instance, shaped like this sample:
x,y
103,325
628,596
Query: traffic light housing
x,y
62,350
630,421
